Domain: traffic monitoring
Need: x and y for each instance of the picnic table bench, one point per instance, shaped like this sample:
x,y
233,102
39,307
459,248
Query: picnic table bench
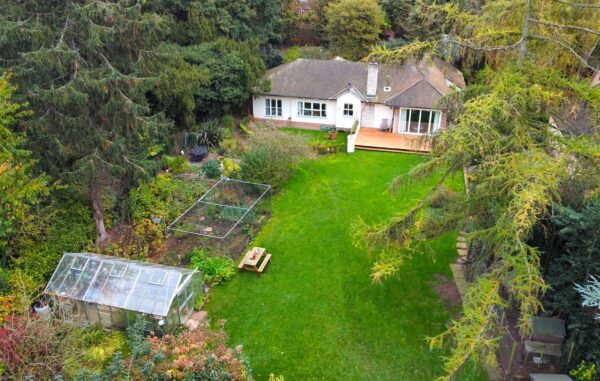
x,y
255,260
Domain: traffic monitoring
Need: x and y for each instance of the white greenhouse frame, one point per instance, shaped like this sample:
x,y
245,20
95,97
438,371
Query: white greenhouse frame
x,y
111,291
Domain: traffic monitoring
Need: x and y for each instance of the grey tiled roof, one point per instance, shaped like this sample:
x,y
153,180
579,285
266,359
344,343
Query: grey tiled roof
x,y
411,85
318,79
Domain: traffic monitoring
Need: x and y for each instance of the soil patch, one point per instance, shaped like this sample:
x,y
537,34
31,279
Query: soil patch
x,y
447,290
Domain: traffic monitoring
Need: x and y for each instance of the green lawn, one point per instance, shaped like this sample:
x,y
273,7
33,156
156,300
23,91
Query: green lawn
x,y
315,314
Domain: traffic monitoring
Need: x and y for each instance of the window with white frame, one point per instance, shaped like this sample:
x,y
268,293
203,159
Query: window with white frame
x,y
419,121
315,109
273,107
348,109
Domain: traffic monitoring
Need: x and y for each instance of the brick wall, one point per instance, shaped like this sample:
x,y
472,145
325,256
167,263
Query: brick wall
x,y
288,123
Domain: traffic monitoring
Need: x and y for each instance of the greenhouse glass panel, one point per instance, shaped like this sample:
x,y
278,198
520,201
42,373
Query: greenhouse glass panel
x,y
121,296
85,280
69,282
60,273
109,287
95,290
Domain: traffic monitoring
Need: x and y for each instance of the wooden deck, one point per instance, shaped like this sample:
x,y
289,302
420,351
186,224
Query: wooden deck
x,y
374,139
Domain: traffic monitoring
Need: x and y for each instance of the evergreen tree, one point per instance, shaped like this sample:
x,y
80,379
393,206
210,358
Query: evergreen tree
x,y
353,26
235,68
539,53
86,67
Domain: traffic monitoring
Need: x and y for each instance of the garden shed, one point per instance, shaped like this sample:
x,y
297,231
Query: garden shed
x,y
113,292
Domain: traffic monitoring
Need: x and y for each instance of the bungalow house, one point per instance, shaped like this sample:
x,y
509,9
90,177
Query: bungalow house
x,y
393,105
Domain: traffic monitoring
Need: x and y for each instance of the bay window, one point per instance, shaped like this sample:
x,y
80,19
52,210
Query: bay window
x,y
273,107
315,109
418,121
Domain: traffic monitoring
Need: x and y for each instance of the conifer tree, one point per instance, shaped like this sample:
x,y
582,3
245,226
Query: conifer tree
x,y
85,66
540,56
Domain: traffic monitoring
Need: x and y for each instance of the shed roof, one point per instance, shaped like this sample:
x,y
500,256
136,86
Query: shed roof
x,y
117,282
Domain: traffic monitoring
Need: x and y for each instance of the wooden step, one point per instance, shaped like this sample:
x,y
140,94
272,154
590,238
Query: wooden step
x,y
461,238
461,245
264,263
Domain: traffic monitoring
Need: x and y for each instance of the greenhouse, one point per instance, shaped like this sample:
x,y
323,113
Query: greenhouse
x,y
112,292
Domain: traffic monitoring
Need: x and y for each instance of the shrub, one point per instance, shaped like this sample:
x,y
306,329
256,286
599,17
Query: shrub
x,y
66,225
212,169
584,372
231,145
271,156
30,349
230,168
144,238
228,122
164,197
222,150
327,146
215,270
197,354
152,206
210,133
244,125
175,164
93,347
572,259
292,54
314,52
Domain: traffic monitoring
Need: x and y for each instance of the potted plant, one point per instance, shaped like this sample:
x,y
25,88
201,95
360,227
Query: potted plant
x,y
332,134
42,308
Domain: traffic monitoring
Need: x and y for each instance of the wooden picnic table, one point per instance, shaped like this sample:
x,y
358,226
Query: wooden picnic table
x,y
252,259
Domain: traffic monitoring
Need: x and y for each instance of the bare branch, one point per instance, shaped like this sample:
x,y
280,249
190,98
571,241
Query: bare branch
x,y
524,33
579,5
583,29
567,47
62,34
488,48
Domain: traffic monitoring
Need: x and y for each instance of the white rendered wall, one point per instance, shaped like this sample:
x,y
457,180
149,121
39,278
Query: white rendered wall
x,y
290,110
343,121
382,112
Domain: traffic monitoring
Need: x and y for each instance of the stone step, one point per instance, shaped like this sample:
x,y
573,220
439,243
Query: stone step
x,y
463,253
461,238
459,278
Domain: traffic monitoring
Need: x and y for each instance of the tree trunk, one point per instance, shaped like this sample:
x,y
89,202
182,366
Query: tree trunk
x,y
524,33
96,196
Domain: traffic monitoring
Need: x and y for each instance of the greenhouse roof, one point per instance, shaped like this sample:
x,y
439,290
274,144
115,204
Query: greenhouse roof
x,y
131,285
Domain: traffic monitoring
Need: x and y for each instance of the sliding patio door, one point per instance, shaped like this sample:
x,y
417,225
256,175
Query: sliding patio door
x,y
419,121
